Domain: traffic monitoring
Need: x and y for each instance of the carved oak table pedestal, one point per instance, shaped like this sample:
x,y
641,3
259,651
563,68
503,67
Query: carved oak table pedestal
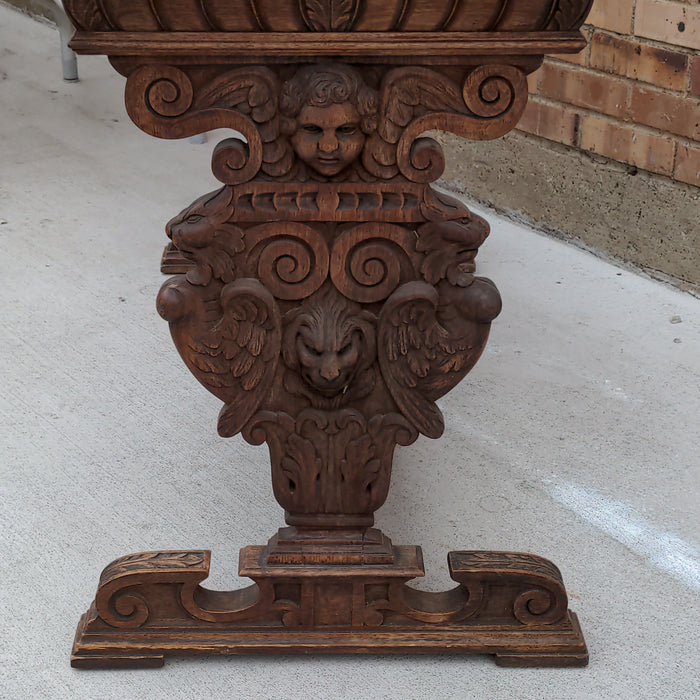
x,y
327,295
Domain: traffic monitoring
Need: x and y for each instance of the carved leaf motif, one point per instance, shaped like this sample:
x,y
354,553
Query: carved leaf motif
x,y
329,15
153,560
360,455
299,452
302,467
163,101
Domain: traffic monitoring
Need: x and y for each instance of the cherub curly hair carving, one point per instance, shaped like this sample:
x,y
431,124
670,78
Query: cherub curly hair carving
x,y
325,85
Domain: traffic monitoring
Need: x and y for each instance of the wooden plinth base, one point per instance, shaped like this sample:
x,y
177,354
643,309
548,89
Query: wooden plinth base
x,y
150,605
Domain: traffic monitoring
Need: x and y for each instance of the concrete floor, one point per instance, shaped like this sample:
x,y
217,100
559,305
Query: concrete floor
x,y
575,437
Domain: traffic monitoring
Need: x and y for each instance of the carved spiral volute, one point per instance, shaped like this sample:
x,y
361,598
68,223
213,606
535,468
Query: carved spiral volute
x,y
490,91
163,101
540,606
368,261
290,260
125,609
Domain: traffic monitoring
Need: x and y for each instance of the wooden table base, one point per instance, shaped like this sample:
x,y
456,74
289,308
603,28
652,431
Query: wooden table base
x,y
327,295
151,605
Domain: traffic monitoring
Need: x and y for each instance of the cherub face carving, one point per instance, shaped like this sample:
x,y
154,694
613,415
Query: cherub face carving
x,y
328,341
327,112
329,138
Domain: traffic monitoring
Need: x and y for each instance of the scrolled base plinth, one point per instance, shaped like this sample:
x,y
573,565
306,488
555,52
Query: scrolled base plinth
x,y
151,605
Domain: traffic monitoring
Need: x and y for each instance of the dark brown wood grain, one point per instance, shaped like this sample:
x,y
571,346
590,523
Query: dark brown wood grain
x,y
151,605
328,296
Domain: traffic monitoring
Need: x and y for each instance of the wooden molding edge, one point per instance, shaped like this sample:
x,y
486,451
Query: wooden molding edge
x,y
391,46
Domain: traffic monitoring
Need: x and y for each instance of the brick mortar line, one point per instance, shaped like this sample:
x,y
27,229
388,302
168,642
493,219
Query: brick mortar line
x,y
651,130
686,50
676,140
589,35
675,280
611,120
629,82
633,25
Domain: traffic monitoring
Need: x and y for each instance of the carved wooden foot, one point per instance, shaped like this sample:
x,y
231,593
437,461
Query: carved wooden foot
x,y
152,605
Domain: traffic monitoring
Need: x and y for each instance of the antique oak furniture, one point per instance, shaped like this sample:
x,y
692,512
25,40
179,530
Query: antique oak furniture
x,y
326,293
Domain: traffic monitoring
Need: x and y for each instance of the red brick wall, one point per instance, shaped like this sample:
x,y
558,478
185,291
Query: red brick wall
x,y
633,94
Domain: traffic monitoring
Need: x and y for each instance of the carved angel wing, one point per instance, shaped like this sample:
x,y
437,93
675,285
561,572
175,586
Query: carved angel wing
x,y
165,102
407,94
234,356
428,341
254,93
414,100
411,344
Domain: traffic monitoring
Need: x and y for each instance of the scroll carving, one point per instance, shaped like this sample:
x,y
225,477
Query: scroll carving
x,y
290,259
522,589
119,605
325,123
492,101
369,261
161,100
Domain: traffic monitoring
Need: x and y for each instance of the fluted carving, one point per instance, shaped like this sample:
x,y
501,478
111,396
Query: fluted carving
x,y
327,15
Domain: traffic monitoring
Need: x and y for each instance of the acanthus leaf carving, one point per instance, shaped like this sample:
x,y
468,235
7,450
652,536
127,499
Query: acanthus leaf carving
x,y
330,461
438,16
303,470
329,15
88,15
